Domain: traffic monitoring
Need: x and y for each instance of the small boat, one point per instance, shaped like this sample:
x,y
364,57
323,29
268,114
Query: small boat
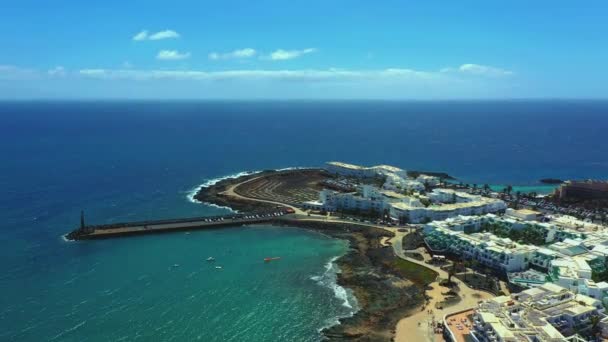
x,y
175,265
271,259
218,267
210,259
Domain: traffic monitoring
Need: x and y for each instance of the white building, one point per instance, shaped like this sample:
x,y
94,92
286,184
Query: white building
x,y
485,248
350,170
397,183
447,204
522,214
367,199
547,313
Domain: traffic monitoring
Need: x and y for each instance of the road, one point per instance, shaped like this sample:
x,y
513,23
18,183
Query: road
x,y
231,193
417,327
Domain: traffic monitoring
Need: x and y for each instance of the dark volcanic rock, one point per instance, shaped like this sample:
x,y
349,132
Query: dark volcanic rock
x,y
383,297
551,181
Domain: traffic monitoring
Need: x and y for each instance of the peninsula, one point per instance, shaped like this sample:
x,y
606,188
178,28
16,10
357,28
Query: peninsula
x,y
429,259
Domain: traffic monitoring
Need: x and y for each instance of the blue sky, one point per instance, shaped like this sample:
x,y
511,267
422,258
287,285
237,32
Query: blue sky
x,y
303,49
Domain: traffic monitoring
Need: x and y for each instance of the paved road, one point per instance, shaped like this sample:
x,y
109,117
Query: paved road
x,y
417,327
230,192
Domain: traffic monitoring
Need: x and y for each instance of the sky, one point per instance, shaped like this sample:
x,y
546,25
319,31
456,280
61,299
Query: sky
x,y
330,49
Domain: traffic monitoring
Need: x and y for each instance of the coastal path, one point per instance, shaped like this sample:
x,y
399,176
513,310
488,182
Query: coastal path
x,y
231,193
418,327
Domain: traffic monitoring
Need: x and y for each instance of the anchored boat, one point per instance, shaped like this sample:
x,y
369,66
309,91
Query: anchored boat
x,y
271,259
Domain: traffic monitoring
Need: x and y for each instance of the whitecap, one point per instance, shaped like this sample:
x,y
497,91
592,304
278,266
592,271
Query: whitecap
x,y
191,193
68,330
329,279
65,239
213,181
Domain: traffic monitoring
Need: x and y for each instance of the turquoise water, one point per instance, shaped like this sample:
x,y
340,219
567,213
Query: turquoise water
x,y
132,289
542,189
133,160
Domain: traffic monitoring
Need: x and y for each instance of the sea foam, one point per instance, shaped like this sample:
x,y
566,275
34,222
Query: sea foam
x,y
214,181
191,193
329,279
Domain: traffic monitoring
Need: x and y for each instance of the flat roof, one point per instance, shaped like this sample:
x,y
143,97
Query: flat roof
x,y
347,166
552,287
488,317
388,168
502,331
580,309
527,211
552,332
393,194
502,299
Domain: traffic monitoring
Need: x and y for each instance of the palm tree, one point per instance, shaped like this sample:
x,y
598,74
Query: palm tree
x,y
466,263
595,329
451,272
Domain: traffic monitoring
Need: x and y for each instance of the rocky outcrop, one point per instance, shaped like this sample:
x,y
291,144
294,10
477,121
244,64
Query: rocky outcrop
x,y
383,296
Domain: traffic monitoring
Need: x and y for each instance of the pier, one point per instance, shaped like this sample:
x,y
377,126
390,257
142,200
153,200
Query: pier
x,y
87,232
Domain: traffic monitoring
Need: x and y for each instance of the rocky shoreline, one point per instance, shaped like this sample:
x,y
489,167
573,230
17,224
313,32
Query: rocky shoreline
x,y
213,194
383,296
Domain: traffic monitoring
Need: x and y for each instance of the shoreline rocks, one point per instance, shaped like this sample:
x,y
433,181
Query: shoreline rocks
x,y
383,296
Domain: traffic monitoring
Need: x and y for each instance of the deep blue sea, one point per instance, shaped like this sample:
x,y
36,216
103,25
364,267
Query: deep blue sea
x,y
134,160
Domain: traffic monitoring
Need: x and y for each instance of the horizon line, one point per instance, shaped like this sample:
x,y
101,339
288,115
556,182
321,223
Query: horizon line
x,y
119,99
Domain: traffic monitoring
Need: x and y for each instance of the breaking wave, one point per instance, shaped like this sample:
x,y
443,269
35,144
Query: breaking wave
x,y
329,279
213,181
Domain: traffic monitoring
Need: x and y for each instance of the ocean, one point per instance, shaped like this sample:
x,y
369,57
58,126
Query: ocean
x,y
135,160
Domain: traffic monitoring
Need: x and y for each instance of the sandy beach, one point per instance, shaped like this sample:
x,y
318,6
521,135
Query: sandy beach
x,y
418,326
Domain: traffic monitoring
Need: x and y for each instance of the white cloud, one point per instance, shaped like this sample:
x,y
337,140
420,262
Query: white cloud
x,y
142,35
166,34
57,71
13,73
281,55
172,55
328,75
242,53
145,35
479,70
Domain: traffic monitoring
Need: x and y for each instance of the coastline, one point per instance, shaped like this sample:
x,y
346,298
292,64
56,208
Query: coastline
x,y
383,296
191,194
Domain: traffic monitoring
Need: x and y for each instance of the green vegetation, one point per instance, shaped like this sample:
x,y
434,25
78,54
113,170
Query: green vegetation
x,y
425,201
418,274
530,234
599,271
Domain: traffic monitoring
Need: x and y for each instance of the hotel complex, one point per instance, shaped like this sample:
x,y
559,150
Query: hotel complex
x,y
554,261
546,313
415,207
583,189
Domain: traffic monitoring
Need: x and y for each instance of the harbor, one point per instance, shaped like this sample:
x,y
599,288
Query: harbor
x,y
88,232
